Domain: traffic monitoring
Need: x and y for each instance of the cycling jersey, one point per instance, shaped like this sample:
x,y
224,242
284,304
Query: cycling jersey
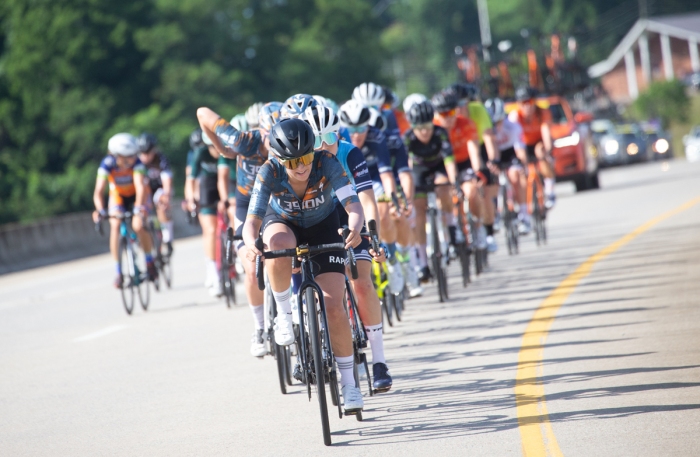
x,y
355,166
463,131
376,153
532,128
242,143
481,117
121,180
437,150
509,135
401,121
204,167
399,156
229,165
247,169
156,170
326,176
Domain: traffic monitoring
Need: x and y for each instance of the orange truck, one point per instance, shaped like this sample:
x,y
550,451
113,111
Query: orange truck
x,y
574,155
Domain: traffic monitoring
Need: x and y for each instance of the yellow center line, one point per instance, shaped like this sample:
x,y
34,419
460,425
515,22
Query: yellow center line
x,y
536,432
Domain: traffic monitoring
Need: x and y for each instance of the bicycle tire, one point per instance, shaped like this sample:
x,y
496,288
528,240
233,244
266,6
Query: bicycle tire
x,y
288,365
166,271
127,289
463,252
316,350
144,292
281,375
356,373
398,306
437,258
335,393
369,378
536,210
388,307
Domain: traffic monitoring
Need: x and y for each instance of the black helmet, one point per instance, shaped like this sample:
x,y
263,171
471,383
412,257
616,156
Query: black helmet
x,y
465,91
421,113
196,138
525,93
291,138
147,141
445,100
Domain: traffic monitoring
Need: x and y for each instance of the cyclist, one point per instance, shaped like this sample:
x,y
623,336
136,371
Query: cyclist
x,y
295,106
411,100
192,192
325,124
391,103
356,116
249,153
204,168
470,107
537,137
227,171
300,182
508,136
252,115
124,174
431,153
464,139
160,181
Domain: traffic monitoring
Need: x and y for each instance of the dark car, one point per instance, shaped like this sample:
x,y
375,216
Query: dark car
x,y
658,142
626,144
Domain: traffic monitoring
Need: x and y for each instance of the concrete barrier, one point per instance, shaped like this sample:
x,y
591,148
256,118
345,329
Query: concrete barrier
x,y
63,238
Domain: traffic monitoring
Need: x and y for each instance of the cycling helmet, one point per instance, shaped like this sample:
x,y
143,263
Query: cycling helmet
x,y
327,102
147,141
196,138
390,97
296,105
123,144
206,140
525,93
376,119
465,91
421,113
291,138
445,100
322,120
252,114
496,109
269,115
353,113
411,100
239,122
369,94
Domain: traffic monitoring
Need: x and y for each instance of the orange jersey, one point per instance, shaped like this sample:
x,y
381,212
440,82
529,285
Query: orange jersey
x,y
402,122
121,180
464,130
532,128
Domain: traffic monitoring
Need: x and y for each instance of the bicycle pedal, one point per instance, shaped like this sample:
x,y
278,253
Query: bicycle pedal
x,y
352,412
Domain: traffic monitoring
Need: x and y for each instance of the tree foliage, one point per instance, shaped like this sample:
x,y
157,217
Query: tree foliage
x,y
663,100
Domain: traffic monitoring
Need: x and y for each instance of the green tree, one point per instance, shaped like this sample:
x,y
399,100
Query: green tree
x,y
664,100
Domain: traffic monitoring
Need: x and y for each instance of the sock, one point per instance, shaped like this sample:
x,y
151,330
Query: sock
x,y
345,367
282,300
296,282
212,271
548,186
489,229
258,316
403,253
375,335
167,231
149,258
413,257
522,211
391,247
119,268
423,255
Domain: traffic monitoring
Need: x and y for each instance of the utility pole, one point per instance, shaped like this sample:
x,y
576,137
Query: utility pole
x,y
485,28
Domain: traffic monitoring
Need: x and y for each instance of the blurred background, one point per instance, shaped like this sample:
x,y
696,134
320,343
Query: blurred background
x,y
74,72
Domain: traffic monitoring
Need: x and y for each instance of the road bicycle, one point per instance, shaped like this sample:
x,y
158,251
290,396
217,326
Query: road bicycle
x,y
161,257
317,363
506,207
225,259
535,202
437,242
463,246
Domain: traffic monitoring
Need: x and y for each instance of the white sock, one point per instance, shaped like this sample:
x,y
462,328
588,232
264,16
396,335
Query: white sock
x,y
548,186
258,316
523,211
212,271
375,335
345,367
282,300
166,229
450,219
423,255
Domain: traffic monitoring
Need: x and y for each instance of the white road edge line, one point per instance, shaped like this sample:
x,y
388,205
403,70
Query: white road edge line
x,y
103,332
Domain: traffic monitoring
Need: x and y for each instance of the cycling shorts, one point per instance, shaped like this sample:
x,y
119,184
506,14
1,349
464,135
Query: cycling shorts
x,y
466,173
362,250
324,232
208,195
530,149
120,204
510,159
424,177
242,203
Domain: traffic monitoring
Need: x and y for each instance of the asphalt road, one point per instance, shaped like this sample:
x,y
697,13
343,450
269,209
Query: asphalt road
x,y
620,368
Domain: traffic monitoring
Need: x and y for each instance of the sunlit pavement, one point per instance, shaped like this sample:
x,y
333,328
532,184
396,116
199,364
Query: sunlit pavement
x,y
621,364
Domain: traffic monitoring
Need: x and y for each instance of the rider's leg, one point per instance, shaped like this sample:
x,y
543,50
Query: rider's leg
x,y
333,284
144,237
370,309
387,228
208,224
546,169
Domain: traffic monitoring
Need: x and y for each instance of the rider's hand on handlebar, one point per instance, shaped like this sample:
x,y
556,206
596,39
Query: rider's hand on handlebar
x,y
353,240
494,166
252,251
97,216
378,257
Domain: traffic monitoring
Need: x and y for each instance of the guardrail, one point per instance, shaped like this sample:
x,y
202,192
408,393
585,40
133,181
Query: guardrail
x,y
63,238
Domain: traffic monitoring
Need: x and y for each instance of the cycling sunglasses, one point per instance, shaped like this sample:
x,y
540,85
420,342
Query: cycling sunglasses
x,y
358,129
329,138
291,164
423,126
449,113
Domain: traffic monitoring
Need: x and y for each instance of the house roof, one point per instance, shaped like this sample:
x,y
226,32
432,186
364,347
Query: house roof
x,y
683,26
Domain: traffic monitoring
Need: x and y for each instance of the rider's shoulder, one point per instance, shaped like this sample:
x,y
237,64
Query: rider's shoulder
x,y
374,135
109,162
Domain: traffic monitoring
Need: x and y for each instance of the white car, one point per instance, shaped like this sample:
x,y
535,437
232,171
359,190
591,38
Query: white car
x,y
692,145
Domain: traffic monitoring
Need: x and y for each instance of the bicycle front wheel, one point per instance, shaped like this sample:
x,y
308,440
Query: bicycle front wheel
x,y
127,268
319,368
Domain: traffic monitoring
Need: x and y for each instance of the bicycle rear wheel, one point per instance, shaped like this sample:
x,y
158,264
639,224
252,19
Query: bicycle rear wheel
x,y
463,253
166,270
437,257
398,305
319,368
127,269
388,306
144,290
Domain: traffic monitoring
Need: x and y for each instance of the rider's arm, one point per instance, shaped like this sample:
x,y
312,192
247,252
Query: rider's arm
x,y
369,205
251,230
345,192
406,179
384,166
451,168
139,178
475,155
259,200
447,155
166,175
207,121
490,142
222,174
100,186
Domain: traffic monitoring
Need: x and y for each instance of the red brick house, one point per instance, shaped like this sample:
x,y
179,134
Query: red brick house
x,y
656,48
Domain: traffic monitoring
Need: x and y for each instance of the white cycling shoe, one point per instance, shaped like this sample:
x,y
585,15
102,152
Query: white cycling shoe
x,y
414,287
480,237
352,399
396,281
491,245
284,331
215,289
257,344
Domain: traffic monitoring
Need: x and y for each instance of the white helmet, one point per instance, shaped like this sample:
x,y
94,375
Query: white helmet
x,y
354,113
240,122
496,109
252,114
376,119
322,119
370,94
295,106
123,144
411,100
